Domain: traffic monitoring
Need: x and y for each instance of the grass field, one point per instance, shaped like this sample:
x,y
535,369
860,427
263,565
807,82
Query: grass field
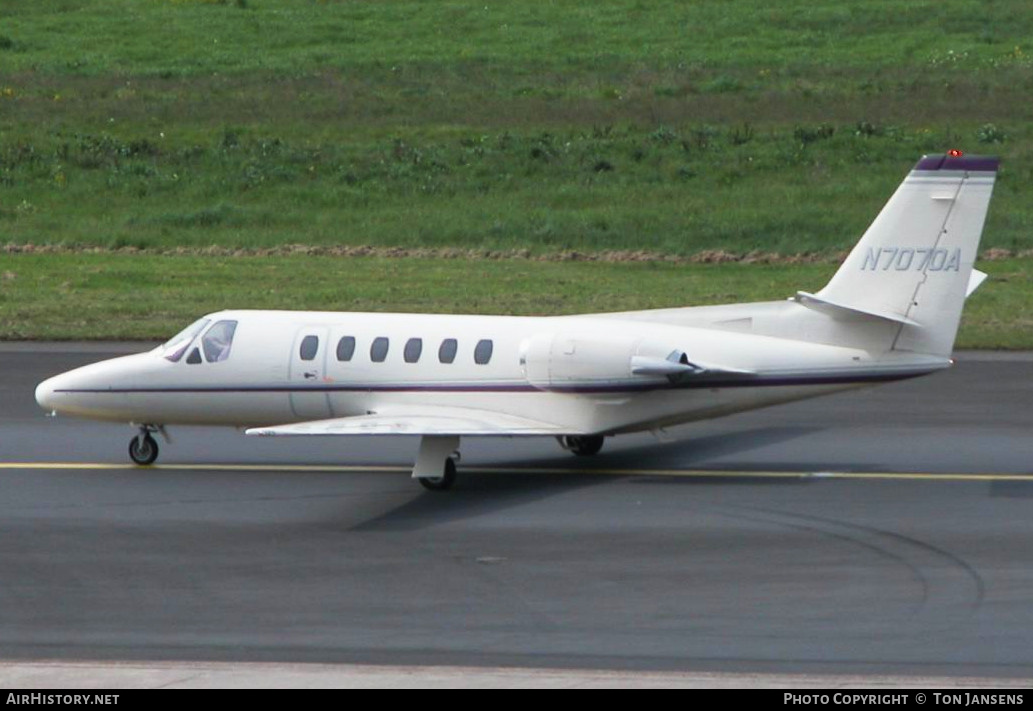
x,y
133,296
667,127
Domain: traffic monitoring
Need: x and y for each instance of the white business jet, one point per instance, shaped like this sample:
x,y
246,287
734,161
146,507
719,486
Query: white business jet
x,y
890,312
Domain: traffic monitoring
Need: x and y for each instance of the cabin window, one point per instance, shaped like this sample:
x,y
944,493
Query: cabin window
x,y
309,347
413,349
195,357
447,351
482,353
346,348
218,341
176,346
378,351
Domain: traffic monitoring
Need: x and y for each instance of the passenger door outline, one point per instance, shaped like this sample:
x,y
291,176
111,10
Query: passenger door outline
x,y
309,399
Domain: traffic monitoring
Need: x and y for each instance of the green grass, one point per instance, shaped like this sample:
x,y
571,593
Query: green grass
x,y
194,37
668,126
133,296
671,127
675,190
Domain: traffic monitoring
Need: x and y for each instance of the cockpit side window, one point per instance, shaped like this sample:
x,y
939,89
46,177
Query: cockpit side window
x,y
217,342
176,346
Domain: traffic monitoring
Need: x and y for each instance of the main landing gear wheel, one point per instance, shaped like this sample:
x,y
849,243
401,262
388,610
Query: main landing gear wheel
x,y
443,482
583,445
143,449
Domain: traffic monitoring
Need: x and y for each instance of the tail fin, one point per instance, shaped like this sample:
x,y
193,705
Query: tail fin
x,y
914,264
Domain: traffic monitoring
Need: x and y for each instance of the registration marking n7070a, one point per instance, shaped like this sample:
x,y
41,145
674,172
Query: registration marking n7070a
x,y
918,259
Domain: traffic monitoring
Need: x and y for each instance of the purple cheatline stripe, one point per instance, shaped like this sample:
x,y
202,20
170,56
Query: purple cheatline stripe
x,y
948,162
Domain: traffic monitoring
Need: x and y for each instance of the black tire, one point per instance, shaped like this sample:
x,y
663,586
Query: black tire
x,y
584,445
443,482
143,451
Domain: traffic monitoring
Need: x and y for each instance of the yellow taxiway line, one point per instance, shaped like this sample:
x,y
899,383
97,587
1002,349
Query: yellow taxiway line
x,y
684,473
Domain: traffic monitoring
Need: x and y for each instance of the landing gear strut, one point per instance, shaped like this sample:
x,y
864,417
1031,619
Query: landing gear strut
x,y
436,462
582,445
143,450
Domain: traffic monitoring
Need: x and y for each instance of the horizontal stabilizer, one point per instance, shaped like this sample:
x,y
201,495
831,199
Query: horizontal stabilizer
x,y
974,280
832,308
419,421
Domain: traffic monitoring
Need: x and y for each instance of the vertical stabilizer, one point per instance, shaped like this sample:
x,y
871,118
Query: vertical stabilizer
x,y
914,263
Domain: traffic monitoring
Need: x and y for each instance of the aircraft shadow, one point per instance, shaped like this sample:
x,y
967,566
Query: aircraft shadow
x,y
694,452
477,494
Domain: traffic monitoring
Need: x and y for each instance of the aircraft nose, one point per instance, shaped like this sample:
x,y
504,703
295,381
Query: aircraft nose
x,y
93,390
45,394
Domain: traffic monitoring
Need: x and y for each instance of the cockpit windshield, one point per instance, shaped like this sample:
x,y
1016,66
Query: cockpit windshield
x,y
176,346
217,341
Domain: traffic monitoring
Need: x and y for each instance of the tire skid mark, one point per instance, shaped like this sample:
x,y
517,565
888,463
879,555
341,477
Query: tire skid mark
x,y
881,552
976,579
949,583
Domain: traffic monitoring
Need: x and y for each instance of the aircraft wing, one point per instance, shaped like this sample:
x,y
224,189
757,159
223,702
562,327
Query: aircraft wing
x,y
419,421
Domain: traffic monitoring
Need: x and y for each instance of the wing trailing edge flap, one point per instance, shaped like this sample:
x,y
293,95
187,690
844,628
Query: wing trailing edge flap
x,y
419,421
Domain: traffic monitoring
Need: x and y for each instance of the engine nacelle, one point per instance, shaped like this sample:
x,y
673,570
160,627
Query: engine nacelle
x,y
556,361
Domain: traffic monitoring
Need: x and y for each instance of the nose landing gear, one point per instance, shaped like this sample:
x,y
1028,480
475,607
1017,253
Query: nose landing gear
x,y
143,449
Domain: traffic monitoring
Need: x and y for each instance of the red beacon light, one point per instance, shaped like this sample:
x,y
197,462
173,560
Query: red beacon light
x,y
955,153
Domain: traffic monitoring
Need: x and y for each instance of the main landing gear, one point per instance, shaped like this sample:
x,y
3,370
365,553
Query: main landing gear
x,y
582,445
435,467
443,482
143,449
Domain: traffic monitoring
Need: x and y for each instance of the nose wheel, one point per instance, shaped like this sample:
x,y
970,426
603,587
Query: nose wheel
x,y
143,450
